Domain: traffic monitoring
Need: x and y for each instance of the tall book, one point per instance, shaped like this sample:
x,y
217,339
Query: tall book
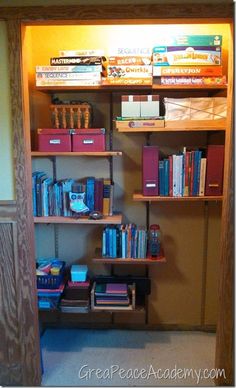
x,y
215,170
106,196
150,160
202,177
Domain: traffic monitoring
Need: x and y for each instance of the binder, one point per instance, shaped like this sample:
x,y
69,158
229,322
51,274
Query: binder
x,y
214,170
150,170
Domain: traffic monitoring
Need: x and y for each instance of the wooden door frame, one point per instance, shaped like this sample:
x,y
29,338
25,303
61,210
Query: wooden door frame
x,y
16,19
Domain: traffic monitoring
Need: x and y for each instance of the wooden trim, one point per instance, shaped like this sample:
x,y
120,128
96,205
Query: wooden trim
x,y
7,210
107,13
26,297
115,219
225,327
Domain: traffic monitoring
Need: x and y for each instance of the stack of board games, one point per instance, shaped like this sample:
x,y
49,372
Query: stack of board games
x,y
129,66
189,60
72,68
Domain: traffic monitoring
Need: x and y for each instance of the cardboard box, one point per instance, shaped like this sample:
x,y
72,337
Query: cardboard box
x,y
185,55
54,140
88,140
194,40
150,105
130,106
78,273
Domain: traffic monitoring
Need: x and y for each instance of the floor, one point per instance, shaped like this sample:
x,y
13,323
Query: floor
x,y
79,357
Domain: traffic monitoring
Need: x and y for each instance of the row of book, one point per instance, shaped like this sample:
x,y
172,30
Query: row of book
x,y
67,197
130,241
190,173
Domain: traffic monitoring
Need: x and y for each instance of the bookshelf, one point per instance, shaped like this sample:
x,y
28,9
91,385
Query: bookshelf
x,y
128,167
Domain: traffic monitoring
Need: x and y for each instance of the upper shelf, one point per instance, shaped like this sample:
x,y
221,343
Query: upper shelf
x,y
71,154
139,197
117,88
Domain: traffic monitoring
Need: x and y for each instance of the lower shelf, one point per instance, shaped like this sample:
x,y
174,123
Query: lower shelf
x,y
103,260
106,309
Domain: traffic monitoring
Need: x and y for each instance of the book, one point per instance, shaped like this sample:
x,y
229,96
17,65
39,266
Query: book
x,y
161,178
150,158
106,196
90,182
202,176
117,288
214,170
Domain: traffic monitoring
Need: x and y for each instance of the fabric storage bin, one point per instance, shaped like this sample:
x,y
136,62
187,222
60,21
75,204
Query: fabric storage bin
x,y
54,140
88,140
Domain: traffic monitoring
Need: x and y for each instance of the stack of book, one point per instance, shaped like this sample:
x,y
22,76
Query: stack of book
x,y
76,297
52,198
189,60
129,66
72,68
112,295
124,241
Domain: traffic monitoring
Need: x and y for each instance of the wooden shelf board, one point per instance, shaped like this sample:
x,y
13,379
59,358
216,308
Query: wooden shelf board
x,y
121,309
72,154
140,197
107,87
188,87
126,261
115,219
176,125
200,125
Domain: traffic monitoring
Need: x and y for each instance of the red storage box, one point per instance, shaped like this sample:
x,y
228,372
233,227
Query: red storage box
x,y
89,140
54,140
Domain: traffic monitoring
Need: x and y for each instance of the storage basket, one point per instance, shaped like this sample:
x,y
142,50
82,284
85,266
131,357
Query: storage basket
x,y
51,281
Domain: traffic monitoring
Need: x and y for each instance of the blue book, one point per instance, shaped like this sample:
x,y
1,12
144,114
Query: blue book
x,y
123,241
161,178
104,243
110,242
166,177
90,193
107,241
34,198
114,248
66,185
198,171
196,177
45,196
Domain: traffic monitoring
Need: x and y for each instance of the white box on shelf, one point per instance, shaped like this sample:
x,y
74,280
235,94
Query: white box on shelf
x,y
130,106
150,105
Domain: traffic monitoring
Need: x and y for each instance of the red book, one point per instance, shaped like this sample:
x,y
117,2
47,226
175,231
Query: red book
x,y
150,170
98,195
171,176
214,170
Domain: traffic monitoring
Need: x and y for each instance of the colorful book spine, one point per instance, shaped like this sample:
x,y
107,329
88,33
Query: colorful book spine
x,y
202,177
161,178
171,175
90,193
166,177
106,196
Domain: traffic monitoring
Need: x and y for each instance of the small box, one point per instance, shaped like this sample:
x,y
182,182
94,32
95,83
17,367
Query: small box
x,y
150,105
89,140
130,106
54,140
78,273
